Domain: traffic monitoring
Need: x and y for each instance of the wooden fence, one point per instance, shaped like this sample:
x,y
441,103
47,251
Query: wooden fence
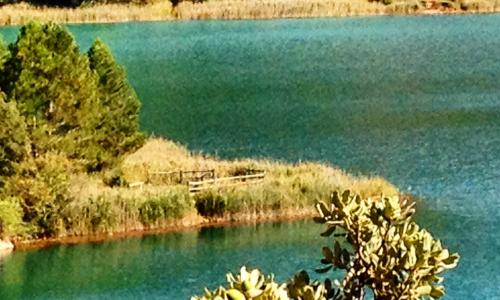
x,y
178,177
200,185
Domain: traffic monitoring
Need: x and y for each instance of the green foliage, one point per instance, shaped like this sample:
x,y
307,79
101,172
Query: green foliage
x,y
4,53
54,89
247,285
42,185
211,204
13,139
114,177
119,124
163,207
11,217
387,251
253,285
378,246
80,105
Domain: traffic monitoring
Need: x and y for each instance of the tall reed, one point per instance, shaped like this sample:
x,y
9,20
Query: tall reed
x,y
235,9
288,189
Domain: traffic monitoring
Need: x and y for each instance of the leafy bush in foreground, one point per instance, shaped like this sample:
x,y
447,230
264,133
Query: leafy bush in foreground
x,y
377,245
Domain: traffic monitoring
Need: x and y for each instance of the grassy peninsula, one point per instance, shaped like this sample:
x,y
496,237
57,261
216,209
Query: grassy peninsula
x,y
20,12
73,161
288,191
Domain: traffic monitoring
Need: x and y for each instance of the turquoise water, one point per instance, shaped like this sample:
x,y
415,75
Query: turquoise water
x,y
414,99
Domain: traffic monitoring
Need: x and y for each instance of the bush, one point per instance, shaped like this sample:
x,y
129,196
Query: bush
x,y
114,178
211,204
11,217
377,245
42,184
173,204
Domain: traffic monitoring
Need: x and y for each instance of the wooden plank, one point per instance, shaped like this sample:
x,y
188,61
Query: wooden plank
x,y
205,187
137,184
222,179
196,186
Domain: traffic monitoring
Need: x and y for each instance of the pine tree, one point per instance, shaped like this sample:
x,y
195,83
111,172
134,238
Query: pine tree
x,y
120,122
55,90
13,139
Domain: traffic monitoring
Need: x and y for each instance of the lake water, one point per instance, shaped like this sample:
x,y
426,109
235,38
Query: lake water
x,y
414,99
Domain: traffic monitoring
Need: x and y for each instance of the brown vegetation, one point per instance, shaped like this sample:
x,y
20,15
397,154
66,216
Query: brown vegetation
x,y
15,14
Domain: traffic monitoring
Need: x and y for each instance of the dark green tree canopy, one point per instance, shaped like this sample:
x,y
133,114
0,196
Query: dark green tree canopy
x,y
13,138
77,104
120,114
51,80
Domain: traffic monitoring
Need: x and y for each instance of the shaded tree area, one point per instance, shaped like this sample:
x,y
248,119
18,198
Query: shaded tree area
x,y
61,111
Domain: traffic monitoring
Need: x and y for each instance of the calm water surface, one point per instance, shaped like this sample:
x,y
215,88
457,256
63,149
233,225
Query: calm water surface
x,y
414,99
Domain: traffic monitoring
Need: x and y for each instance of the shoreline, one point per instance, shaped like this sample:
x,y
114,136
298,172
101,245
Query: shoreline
x,y
161,205
189,223
19,14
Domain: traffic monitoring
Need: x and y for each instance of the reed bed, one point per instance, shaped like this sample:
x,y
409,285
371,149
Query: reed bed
x,y
100,13
288,190
236,9
270,9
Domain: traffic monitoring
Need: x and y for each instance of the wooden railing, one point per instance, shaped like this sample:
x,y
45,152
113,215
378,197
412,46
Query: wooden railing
x,y
223,182
177,177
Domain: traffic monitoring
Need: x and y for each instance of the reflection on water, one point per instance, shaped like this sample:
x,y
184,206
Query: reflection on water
x,y
414,99
169,266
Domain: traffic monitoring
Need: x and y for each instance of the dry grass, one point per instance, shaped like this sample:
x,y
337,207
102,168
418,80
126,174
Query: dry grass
x,y
232,9
269,9
106,13
288,190
164,155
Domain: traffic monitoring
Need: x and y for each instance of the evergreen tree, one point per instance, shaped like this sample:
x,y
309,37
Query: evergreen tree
x,y
55,90
119,131
13,139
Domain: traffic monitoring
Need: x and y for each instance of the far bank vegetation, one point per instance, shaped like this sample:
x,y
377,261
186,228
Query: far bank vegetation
x,y
72,153
14,12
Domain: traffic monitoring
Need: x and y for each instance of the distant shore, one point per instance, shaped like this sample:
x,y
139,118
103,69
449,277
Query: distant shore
x,y
18,14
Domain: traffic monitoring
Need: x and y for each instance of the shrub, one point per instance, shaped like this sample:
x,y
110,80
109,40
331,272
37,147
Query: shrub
x,y
11,217
42,184
211,203
380,249
173,204
114,178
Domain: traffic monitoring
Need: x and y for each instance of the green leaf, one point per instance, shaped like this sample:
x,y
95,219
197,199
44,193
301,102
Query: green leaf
x,y
328,231
324,270
327,253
